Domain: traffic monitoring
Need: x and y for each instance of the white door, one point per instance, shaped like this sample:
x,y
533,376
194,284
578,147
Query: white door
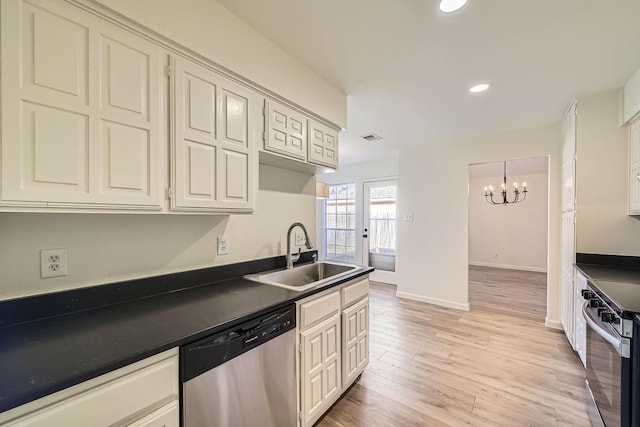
x,y
379,234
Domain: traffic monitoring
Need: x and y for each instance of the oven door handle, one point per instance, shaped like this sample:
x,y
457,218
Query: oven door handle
x,y
621,344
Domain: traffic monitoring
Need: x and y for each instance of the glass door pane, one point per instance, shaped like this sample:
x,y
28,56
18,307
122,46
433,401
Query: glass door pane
x,y
340,223
380,198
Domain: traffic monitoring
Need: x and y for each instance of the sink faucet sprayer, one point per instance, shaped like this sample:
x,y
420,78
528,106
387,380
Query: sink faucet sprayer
x,y
293,258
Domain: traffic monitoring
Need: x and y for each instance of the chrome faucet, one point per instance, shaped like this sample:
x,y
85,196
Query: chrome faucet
x,y
291,258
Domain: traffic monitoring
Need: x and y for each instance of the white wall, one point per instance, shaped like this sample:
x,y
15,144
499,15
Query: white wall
x,y
103,248
211,30
517,233
433,185
602,223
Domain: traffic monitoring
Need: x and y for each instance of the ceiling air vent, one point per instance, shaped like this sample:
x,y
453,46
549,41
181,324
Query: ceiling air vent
x,y
372,137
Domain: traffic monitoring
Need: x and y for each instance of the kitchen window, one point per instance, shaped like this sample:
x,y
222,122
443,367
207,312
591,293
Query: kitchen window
x,y
340,223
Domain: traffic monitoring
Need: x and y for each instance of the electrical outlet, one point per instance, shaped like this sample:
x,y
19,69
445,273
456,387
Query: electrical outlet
x,y
300,240
53,263
408,216
223,245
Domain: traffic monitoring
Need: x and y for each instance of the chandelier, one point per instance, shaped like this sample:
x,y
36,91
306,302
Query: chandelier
x,y
488,192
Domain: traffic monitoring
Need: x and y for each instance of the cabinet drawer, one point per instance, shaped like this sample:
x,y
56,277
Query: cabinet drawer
x,y
167,416
320,308
353,293
107,399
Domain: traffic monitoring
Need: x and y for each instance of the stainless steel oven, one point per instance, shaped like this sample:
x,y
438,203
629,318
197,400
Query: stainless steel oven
x,y
609,363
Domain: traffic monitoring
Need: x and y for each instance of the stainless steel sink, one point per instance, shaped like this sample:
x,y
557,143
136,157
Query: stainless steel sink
x,y
305,276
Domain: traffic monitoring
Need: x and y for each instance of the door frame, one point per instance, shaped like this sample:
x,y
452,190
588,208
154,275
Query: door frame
x,y
390,277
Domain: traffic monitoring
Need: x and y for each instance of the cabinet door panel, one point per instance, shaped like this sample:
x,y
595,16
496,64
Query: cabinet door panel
x,y
199,99
568,159
202,171
355,326
332,381
323,145
126,156
634,191
235,169
634,167
285,131
54,56
53,151
235,119
195,151
212,146
125,78
320,368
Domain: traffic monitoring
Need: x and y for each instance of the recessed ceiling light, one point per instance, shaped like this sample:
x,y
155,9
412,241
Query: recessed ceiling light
x,y
451,5
480,87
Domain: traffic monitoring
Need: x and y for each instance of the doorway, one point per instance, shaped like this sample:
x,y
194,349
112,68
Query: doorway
x,y
379,229
505,239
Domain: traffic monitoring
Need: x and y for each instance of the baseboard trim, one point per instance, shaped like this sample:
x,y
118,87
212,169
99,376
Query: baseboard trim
x,y
434,301
509,267
554,324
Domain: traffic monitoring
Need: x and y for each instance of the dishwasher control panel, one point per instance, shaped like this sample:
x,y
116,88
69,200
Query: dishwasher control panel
x,y
207,353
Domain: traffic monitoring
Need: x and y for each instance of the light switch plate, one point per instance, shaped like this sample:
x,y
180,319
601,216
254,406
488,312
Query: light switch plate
x,y
408,216
223,245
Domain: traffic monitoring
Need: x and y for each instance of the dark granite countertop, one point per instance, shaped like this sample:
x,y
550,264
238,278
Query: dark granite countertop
x,y
616,277
41,356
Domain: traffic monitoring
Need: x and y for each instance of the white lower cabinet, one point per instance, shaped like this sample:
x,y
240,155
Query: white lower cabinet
x,y
580,324
167,416
321,358
567,294
333,329
144,393
355,340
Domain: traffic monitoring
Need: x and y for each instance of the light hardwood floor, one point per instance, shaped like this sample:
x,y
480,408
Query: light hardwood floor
x,y
496,365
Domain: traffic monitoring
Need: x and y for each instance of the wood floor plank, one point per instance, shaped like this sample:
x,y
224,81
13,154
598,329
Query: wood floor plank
x,y
496,365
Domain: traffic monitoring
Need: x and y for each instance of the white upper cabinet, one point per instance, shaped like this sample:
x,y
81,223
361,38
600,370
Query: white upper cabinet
x,y
322,144
297,141
285,130
631,98
569,159
81,106
100,115
634,167
213,163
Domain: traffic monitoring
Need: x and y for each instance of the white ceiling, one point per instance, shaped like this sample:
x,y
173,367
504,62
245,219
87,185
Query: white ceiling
x,y
406,67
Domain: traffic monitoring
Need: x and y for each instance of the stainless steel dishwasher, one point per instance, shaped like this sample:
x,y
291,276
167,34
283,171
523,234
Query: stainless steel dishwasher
x,y
244,376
